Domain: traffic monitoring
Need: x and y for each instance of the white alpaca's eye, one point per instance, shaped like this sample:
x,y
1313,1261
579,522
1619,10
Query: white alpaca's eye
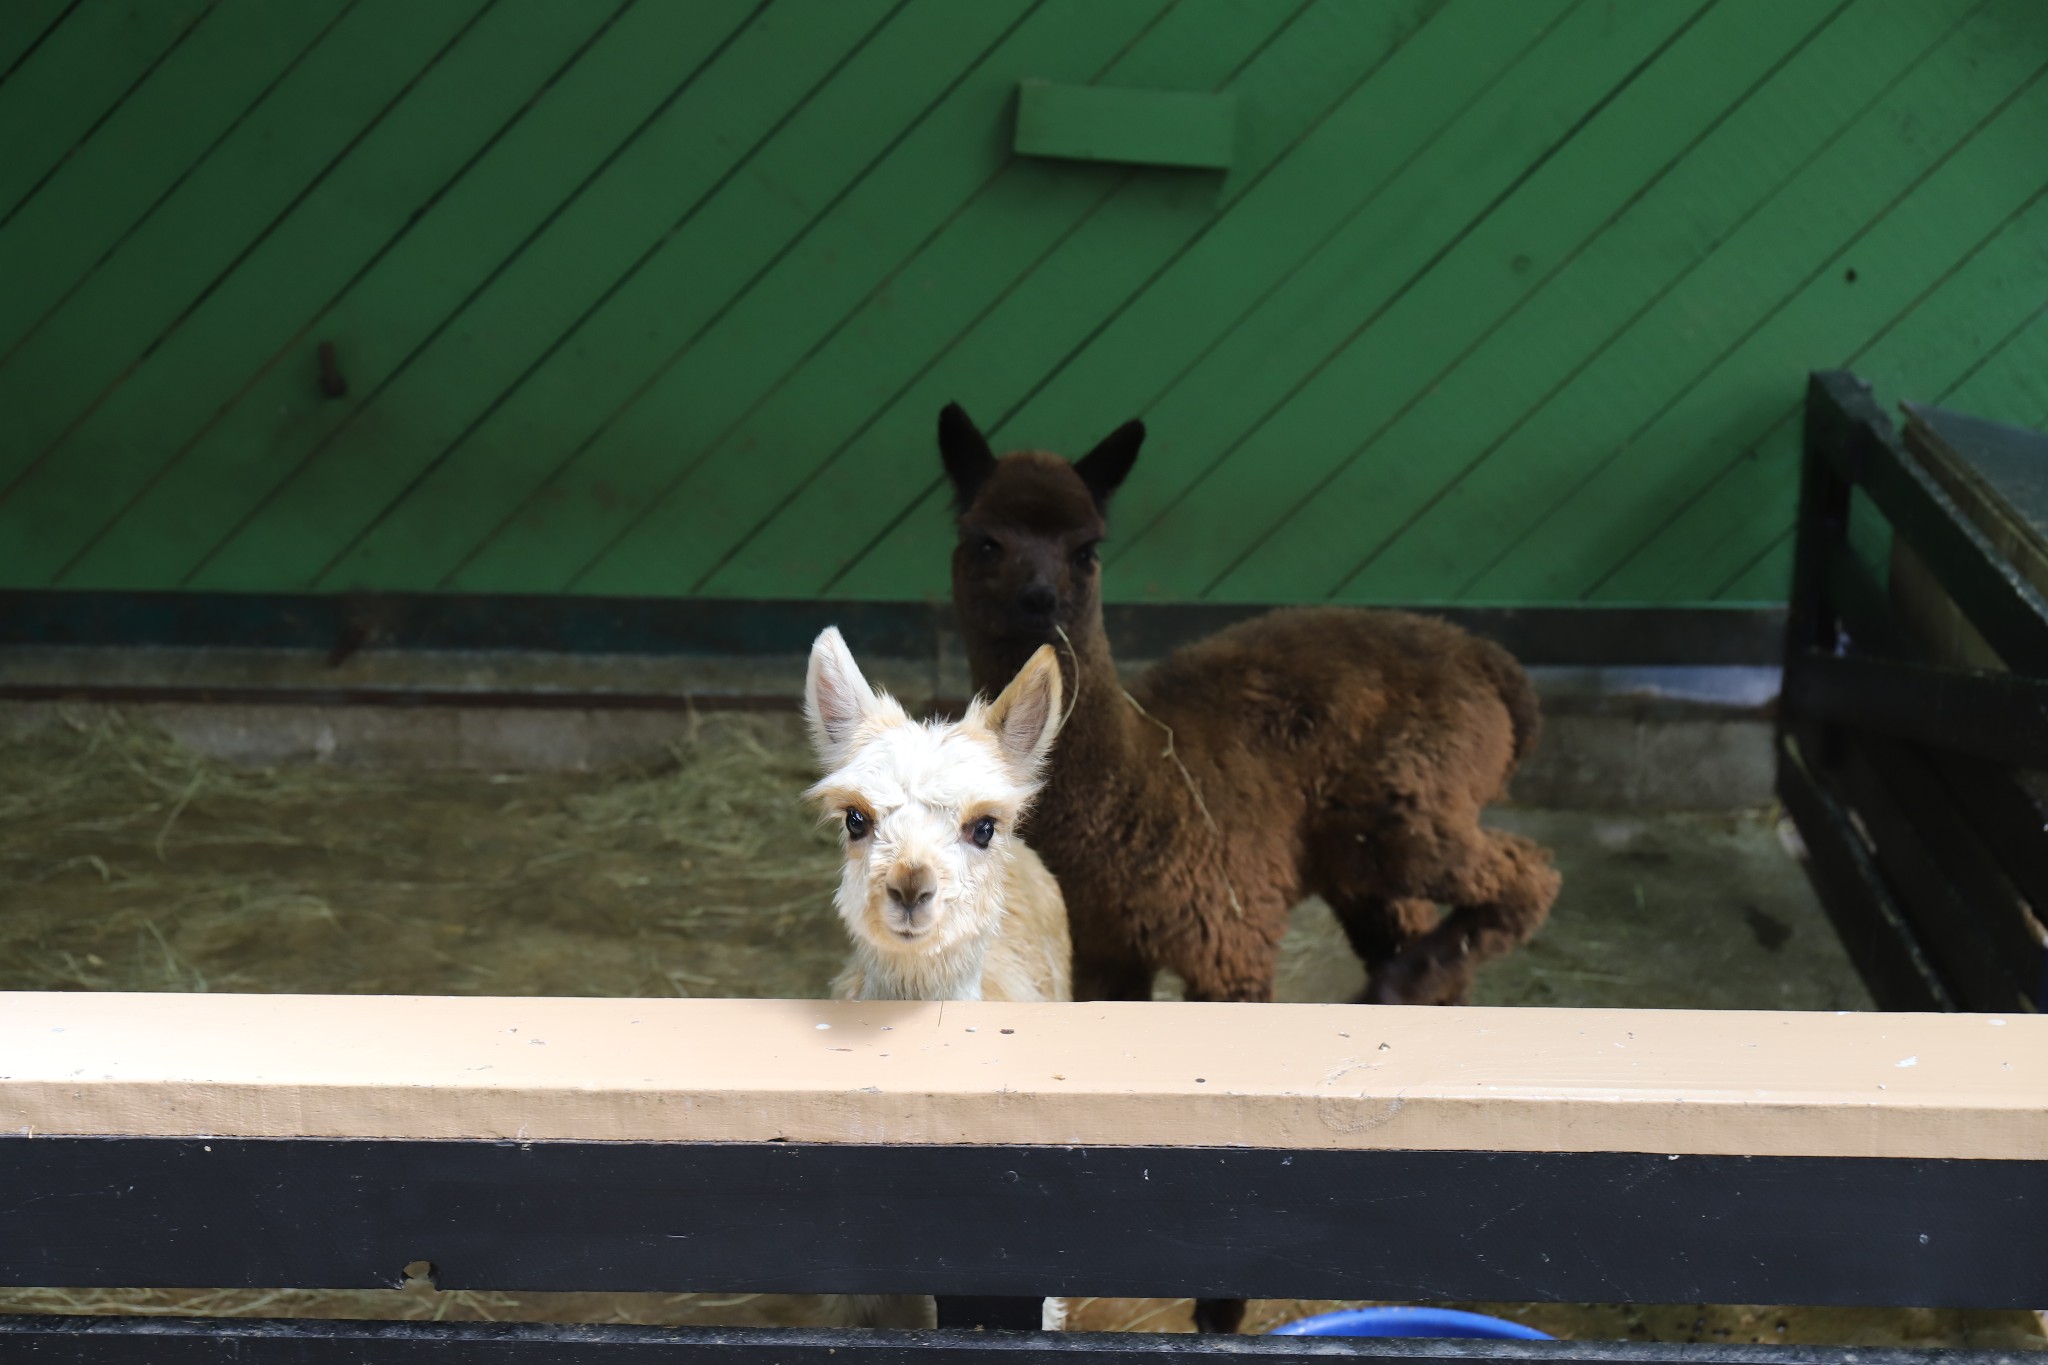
x,y
856,824
984,830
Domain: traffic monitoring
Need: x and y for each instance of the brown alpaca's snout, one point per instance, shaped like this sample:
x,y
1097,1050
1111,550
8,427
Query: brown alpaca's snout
x,y
1039,599
1037,602
1026,582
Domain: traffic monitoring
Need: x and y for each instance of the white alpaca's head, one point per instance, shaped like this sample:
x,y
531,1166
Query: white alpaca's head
x,y
927,810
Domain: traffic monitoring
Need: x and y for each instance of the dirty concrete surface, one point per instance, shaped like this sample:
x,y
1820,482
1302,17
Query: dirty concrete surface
x,y
130,863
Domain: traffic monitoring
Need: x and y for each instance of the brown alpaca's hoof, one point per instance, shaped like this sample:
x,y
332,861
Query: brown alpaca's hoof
x,y
1219,1315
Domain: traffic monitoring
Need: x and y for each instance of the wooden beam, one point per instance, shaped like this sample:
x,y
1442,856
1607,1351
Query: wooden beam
x,y
337,628
1196,130
1294,1077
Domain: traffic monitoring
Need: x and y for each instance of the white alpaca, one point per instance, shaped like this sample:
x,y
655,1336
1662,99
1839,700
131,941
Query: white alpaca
x,y
941,899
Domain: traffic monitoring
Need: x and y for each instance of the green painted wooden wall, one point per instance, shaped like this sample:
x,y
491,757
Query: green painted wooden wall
x,y
1500,300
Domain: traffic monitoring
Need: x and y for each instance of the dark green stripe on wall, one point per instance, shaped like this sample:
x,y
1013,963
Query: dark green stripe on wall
x,y
1498,300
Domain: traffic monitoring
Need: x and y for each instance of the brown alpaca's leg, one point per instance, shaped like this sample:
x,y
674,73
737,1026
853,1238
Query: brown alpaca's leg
x,y
1219,1315
1241,993
1112,978
1499,895
1234,962
1379,928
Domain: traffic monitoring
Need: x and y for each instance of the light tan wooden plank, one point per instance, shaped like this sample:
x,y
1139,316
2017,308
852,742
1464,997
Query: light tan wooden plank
x,y
1269,1076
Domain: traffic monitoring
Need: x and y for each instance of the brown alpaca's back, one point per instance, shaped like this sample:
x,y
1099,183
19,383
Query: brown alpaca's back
x,y
1349,754
1338,751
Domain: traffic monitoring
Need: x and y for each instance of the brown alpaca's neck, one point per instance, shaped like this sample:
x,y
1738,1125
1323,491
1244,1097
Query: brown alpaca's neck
x,y
1099,718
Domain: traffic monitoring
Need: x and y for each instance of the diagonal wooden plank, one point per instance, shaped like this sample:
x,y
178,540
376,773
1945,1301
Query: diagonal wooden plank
x,y
1366,514
24,26
1840,178
1262,442
357,206
1649,107
482,372
1000,292
195,97
854,518
526,512
1928,348
74,78
1767,580
2029,335
2013,388
783,302
701,133
77,357
1663,459
372,201
1206,309
557,148
1703,135
1788,129
1748,507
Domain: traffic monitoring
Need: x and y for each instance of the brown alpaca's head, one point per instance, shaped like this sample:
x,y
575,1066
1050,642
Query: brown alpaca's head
x,y
1026,566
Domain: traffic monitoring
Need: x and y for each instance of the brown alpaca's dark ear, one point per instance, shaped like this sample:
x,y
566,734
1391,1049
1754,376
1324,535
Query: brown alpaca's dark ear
x,y
1104,468
965,451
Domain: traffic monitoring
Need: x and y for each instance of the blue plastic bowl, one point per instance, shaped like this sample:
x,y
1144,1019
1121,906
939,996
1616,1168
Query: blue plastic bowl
x,y
1409,1322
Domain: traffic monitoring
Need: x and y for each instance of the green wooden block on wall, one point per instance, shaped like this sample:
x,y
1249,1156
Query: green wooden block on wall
x,y
1137,127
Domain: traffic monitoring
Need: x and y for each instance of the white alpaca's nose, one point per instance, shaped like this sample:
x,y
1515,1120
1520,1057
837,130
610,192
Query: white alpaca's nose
x,y
911,887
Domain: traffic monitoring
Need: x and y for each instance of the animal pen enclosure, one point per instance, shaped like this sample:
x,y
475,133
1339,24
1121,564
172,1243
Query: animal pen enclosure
x,y
1003,1149
430,434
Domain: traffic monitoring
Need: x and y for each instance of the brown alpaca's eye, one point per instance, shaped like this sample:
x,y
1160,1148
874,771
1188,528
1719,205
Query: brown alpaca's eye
x,y
987,549
984,830
1084,558
856,824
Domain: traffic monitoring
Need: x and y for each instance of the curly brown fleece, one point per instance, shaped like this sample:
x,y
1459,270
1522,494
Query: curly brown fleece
x,y
1335,751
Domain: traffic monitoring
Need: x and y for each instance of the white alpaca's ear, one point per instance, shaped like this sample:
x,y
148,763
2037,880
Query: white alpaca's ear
x,y
837,699
1026,717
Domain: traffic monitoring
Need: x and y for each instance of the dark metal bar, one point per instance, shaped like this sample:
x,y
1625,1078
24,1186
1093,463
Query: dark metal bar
x,y
1945,832
1861,608
341,625
2012,823
2002,717
1997,808
1140,1222
189,1341
2007,610
1840,415
1877,937
1898,801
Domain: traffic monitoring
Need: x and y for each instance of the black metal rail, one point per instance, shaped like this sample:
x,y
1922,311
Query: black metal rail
x,y
1929,853
795,1217
173,1341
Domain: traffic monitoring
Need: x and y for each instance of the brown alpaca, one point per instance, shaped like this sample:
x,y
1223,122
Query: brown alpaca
x,y
1335,751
